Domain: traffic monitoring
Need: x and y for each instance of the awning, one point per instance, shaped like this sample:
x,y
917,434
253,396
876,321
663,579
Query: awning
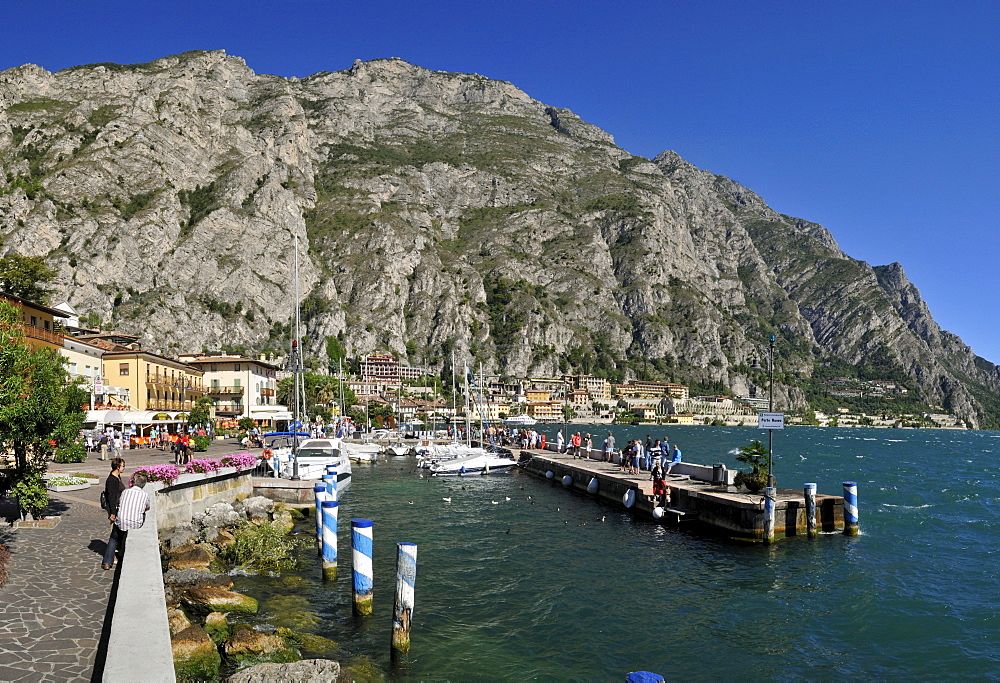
x,y
270,413
117,417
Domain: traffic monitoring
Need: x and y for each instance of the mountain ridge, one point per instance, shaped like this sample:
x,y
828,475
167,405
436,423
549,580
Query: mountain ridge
x,y
434,211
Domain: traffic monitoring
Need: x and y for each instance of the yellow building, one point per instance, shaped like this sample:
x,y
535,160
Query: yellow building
x,y
537,395
683,418
154,382
544,410
38,322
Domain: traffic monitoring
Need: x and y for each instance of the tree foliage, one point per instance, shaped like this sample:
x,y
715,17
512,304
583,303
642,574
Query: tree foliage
x,y
200,415
321,393
26,277
40,409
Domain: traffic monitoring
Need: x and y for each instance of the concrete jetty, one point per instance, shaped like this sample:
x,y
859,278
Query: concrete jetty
x,y
697,492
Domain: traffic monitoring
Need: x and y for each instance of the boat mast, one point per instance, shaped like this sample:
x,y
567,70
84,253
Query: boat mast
x,y
296,368
468,423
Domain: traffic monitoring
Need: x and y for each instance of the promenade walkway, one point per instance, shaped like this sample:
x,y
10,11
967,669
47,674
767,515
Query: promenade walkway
x,y
52,611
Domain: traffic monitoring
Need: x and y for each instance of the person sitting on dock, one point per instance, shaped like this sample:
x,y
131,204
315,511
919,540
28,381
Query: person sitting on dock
x,y
676,459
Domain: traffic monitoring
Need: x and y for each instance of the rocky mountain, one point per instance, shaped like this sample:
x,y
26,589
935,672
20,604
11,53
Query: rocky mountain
x,y
434,212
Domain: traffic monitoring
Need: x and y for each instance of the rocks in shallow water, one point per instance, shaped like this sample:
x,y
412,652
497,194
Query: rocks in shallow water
x,y
219,537
220,514
191,557
205,600
305,671
246,645
183,535
283,520
196,578
255,507
177,621
195,655
217,626
309,642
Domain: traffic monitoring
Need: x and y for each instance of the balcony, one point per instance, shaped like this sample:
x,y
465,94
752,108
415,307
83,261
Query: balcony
x,y
42,335
218,391
267,392
228,409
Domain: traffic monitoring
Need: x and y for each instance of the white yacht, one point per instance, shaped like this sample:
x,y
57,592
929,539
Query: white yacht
x,y
361,452
314,456
488,463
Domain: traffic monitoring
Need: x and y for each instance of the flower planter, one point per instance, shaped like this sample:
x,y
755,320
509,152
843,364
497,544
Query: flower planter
x,y
190,476
226,470
71,487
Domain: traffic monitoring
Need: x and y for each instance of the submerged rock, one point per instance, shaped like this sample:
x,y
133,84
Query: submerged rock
x,y
217,626
256,507
305,671
195,655
191,557
205,600
196,578
246,645
177,621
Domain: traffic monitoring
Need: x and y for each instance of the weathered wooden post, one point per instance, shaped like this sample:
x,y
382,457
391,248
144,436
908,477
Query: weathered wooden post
x,y
361,558
330,539
319,492
769,495
851,508
809,492
402,610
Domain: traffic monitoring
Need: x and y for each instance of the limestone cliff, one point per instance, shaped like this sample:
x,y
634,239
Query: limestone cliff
x,y
433,211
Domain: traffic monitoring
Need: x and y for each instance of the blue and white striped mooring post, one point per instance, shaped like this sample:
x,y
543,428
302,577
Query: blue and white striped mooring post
x,y
330,481
330,539
361,558
319,492
809,493
769,494
850,508
402,609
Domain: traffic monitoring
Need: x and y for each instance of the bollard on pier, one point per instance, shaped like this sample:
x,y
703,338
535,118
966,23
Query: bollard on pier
x,y
319,492
769,495
361,557
402,610
330,539
809,492
851,508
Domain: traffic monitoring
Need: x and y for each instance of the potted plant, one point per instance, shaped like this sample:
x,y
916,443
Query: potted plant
x,y
753,454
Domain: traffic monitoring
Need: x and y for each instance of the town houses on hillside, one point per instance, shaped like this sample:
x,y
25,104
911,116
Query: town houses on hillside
x,y
143,389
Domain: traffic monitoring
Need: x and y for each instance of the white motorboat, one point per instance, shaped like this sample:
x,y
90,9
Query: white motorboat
x,y
487,463
361,452
278,448
398,449
443,452
520,421
314,456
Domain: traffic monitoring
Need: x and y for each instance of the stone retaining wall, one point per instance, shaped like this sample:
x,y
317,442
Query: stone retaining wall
x,y
192,494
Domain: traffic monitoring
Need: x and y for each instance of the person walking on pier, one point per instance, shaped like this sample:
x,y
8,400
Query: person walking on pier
x,y
659,486
609,448
588,444
664,450
560,442
576,441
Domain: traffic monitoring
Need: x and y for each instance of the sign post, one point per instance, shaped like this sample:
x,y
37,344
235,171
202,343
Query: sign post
x,y
771,421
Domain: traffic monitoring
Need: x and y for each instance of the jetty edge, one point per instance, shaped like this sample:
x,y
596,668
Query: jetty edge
x,y
697,492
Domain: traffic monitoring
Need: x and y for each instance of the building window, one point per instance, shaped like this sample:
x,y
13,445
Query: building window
x,y
72,369
34,321
213,368
237,367
123,369
236,383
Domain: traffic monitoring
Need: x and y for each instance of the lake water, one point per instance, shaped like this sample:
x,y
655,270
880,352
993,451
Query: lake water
x,y
551,584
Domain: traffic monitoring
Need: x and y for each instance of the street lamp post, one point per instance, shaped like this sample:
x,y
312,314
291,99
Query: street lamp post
x,y
770,409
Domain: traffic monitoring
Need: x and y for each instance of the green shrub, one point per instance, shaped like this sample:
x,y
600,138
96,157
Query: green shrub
x,y
260,546
31,494
73,452
201,442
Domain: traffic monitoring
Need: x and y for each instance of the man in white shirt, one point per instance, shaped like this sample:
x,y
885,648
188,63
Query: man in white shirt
x,y
131,514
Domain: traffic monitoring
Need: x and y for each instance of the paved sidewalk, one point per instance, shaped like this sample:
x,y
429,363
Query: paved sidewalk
x,y
53,608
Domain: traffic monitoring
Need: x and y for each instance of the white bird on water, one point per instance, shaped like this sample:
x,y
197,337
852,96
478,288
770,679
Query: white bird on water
x,y
447,500
506,497
495,502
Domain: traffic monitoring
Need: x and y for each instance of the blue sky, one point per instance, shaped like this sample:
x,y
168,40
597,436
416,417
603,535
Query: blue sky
x,y
876,119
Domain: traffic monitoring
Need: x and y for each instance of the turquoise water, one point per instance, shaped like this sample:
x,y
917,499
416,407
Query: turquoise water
x,y
551,584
